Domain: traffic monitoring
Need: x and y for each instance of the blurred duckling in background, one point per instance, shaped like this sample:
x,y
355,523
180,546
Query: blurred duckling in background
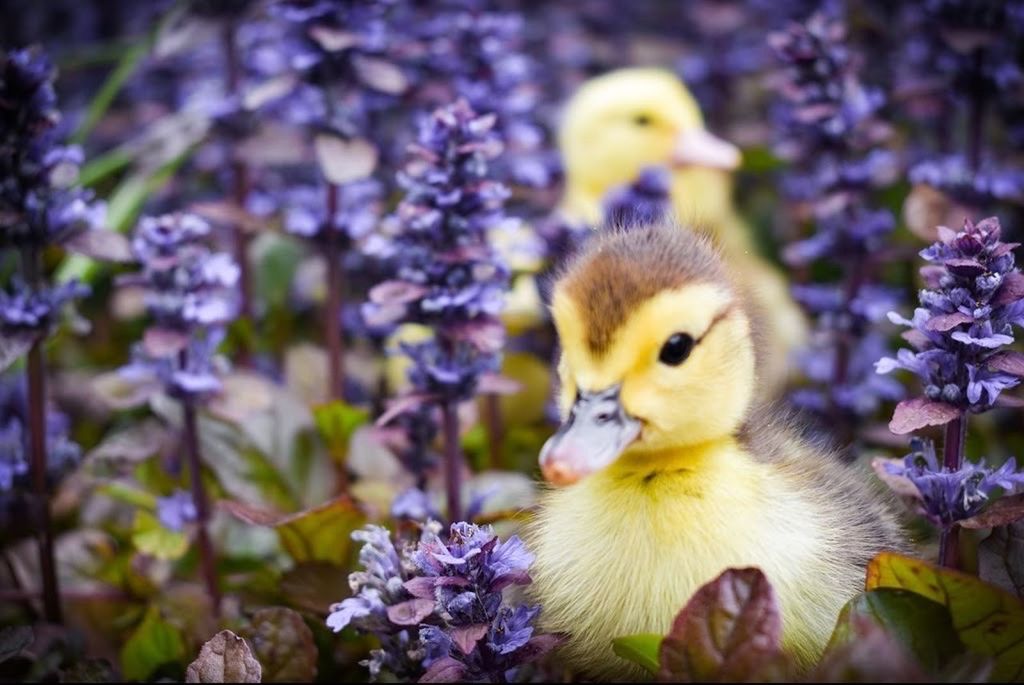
x,y
669,475
618,124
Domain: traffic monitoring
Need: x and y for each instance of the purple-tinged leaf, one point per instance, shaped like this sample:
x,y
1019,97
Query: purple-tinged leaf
x,y
14,346
400,405
452,581
421,587
944,322
901,485
915,338
967,268
396,292
444,670
1005,400
729,631
1002,512
101,244
946,234
380,74
1011,290
1004,248
163,342
466,637
332,39
1007,362
411,612
508,579
343,161
918,412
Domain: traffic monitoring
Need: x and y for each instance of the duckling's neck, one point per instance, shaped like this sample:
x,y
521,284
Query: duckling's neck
x,y
697,465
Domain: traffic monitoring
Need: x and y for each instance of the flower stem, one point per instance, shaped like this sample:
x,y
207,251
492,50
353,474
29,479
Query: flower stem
x,y
239,193
452,461
37,445
37,437
495,428
332,313
206,554
952,458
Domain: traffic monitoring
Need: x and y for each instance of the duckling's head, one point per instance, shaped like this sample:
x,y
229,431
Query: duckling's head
x,y
657,350
621,122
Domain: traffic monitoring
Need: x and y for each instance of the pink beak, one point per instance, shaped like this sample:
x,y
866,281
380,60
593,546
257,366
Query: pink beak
x,y
697,147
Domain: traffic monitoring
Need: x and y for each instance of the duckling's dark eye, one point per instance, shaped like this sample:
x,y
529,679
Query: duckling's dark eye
x,y
676,349
642,120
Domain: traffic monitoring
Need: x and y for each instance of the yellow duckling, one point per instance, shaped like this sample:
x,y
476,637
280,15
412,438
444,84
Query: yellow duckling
x,y
669,475
621,122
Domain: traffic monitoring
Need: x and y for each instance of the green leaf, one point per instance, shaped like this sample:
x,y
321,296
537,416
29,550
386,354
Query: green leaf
x,y
153,644
866,654
284,645
922,626
322,533
988,620
314,586
640,649
729,631
225,658
150,537
337,421
129,495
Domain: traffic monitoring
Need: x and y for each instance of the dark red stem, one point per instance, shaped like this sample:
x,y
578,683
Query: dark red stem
x,y
37,448
452,461
495,429
952,459
207,560
332,313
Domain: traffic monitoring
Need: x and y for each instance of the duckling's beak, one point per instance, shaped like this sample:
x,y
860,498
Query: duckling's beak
x,y
697,147
595,434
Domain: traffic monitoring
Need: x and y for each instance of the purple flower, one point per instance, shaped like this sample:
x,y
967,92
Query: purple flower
x,y
62,453
176,510
438,606
415,505
948,496
12,454
37,206
968,314
23,309
832,131
643,202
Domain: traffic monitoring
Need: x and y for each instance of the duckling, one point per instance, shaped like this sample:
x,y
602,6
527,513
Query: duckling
x,y
618,124
668,472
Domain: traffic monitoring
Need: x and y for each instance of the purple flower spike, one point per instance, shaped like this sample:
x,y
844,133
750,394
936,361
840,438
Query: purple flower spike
x,y
437,606
948,496
968,315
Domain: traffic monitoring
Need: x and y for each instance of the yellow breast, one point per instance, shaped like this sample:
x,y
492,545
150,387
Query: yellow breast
x,y
622,551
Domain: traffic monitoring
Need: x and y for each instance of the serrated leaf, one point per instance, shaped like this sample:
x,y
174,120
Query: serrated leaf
x,y
988,620
730,630
284,645
923,627
918,412
337,421
151,645
150,537
225,658
641,649
14,346
1001,557
343,161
